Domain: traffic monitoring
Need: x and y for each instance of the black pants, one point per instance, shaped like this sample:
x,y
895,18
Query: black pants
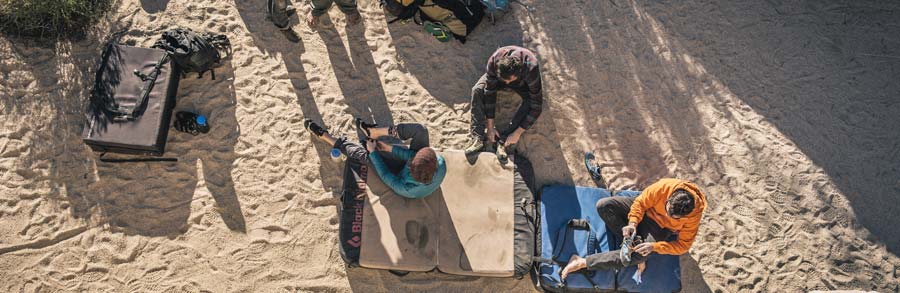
x,y
478,108
614,212
278,11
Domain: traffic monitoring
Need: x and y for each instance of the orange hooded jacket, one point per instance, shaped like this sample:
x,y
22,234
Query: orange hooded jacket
x,y
652,203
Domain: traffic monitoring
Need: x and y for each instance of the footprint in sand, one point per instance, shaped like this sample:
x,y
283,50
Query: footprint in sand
x,y
94,275
68,261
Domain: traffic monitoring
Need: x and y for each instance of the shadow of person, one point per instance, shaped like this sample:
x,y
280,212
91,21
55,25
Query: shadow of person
x,y
825,89
154,199
215,150
449,70
691,277
272,43
356,73
154,6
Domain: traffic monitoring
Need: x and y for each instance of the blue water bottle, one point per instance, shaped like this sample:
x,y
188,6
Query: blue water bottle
x,y
335,154
201,124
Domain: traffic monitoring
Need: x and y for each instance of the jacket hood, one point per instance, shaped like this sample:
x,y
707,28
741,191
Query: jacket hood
x,y
699,197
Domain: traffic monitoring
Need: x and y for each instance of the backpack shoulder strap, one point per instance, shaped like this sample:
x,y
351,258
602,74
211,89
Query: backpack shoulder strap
x,y
129,113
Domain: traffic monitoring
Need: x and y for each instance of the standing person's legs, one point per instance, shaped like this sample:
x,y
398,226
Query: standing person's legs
x,y
279,12
478,108
318,8
417,133
347,6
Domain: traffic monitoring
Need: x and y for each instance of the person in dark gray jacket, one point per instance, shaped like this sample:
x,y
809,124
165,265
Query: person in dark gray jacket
x,y
514,68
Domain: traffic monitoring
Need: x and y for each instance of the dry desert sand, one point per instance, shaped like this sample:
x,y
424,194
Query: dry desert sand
x,y
787,114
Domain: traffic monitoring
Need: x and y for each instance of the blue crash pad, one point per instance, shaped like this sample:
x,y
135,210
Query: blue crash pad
x,y
558,205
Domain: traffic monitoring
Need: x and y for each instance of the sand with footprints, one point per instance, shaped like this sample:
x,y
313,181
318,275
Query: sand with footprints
x,y
785,114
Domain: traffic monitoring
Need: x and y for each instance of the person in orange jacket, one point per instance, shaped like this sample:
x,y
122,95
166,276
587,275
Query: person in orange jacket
x,y
665,207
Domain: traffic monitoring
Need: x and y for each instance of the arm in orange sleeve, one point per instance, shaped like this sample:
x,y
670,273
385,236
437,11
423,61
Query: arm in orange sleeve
x,y
650,196
683,243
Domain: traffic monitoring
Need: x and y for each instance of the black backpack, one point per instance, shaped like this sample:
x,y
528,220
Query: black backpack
x,y
467,12
194,52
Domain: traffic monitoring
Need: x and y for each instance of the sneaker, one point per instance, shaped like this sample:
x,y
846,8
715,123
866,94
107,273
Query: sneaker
x,y
290,10
593,169
363,126
475,147
501,152
353,18
314,128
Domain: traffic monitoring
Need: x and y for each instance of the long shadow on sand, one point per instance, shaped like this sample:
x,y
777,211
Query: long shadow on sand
x,y
271,42
154,199
449,70
621,117
828,81
151,199
356,73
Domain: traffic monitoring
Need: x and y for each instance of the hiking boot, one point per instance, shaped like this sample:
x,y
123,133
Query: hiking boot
x,y
501,152
353,18
290,35
475,147
314,128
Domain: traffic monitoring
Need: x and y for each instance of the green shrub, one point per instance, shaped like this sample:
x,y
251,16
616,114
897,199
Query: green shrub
x,y
50,18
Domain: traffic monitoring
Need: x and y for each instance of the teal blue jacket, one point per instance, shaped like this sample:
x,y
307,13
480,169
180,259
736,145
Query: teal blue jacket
x,y
403,183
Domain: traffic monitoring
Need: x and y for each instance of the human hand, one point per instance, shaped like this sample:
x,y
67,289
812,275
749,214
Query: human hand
x,y
492,134
383,146
575,264
370,145
628,230
513,137
644,248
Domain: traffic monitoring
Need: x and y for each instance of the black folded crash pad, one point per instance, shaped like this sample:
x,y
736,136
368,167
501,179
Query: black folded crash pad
x,y
124,73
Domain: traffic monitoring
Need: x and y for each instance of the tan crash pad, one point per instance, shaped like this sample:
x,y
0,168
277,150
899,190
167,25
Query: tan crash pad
x,y
465,227
477,219
398,233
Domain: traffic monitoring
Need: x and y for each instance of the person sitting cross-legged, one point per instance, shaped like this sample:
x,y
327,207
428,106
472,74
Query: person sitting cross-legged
x,y
665,207
423,169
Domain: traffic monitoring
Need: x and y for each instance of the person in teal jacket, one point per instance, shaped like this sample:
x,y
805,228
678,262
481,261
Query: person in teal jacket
x,y
423,169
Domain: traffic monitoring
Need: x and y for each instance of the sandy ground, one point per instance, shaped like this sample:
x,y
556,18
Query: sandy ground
x,y
786,114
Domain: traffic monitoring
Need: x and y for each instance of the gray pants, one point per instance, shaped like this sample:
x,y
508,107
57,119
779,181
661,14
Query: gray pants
x,y
478,109
319,7
614,212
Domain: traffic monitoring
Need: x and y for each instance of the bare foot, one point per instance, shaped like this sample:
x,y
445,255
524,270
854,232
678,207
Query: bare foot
x,y
312,20
353,18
